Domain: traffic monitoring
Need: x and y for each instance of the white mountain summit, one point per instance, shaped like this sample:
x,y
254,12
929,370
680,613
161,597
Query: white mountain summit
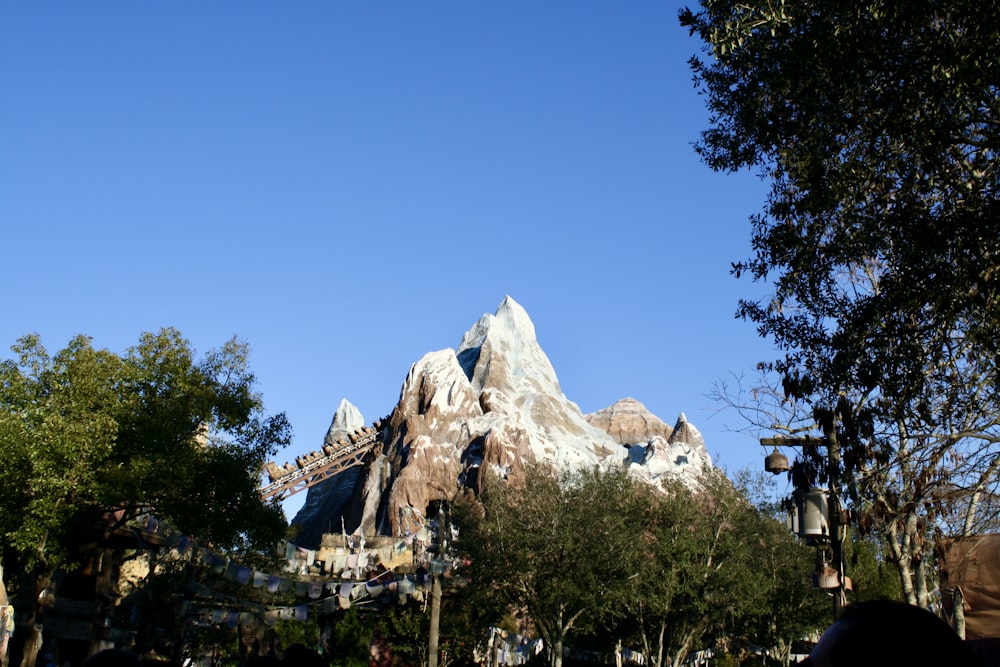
x,y
494,403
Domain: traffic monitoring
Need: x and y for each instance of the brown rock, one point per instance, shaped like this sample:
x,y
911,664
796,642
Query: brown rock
x,y
629,422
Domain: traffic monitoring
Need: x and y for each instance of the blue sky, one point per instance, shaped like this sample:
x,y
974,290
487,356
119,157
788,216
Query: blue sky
x,y
349,185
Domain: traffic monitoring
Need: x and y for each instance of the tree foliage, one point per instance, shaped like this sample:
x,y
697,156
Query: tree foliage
x,y
549,549
876,125
349,639
673,569
714,571
88,434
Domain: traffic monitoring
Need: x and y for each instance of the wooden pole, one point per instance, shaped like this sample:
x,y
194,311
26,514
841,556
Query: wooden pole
x,y
834,512
434,634
433,639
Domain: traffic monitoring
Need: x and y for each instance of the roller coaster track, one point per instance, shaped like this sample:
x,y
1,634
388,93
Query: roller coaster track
x,y
313,468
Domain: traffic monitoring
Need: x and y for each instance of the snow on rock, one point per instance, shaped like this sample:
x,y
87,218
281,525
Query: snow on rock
x,y
655,450
329,507
346,419
516,381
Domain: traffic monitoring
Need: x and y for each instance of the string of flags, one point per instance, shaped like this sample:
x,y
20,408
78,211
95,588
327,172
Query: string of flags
x,y
511,649
331,578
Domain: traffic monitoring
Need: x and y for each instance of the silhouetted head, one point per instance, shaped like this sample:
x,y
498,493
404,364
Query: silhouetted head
x,y
112,657
882,632
298,655
262,661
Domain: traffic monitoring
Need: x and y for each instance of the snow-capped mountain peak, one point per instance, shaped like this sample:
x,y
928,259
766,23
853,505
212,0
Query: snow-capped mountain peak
x,y
496,404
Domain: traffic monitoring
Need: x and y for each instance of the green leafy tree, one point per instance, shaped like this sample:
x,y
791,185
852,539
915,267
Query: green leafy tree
x,y
89,437
877,127
349,640
671,564
873,578
714,571
548,550
786,607
681,568
404,629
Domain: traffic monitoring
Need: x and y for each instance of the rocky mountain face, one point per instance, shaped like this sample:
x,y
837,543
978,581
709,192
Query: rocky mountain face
x,y
628,421
492,404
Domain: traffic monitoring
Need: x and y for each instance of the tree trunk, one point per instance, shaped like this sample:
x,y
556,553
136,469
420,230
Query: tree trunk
x,y
684,649
27,639
923,596
906,579
554,635
660,648
32,644
958,610
901,557
645,644
556,656
105,578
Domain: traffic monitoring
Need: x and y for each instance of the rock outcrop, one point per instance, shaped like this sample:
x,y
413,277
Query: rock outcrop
x,y
629,422
346,420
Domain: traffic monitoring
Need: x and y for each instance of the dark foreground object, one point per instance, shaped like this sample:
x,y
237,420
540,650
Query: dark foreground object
x,y
881,633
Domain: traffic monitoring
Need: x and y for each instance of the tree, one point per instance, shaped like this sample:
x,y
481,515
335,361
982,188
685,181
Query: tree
x,y
877,127
713,569
683,572
676,568
549,550
349,639
87,435
785,607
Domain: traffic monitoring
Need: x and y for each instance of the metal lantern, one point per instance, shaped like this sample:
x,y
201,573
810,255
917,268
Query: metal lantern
x,y
776,462
814,515
792,518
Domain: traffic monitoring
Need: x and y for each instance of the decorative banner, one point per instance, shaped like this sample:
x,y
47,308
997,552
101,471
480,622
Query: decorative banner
x,y
348,576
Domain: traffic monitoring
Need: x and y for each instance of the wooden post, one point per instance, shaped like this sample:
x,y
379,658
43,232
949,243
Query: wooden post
x,y
833,510
100,637
827,419
434,634
432,640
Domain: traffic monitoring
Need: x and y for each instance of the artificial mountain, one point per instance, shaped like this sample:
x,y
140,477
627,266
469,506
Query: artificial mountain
x,y
494,403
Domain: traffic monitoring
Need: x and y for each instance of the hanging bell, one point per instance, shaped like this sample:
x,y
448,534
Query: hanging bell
x,y
776,462
826,578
